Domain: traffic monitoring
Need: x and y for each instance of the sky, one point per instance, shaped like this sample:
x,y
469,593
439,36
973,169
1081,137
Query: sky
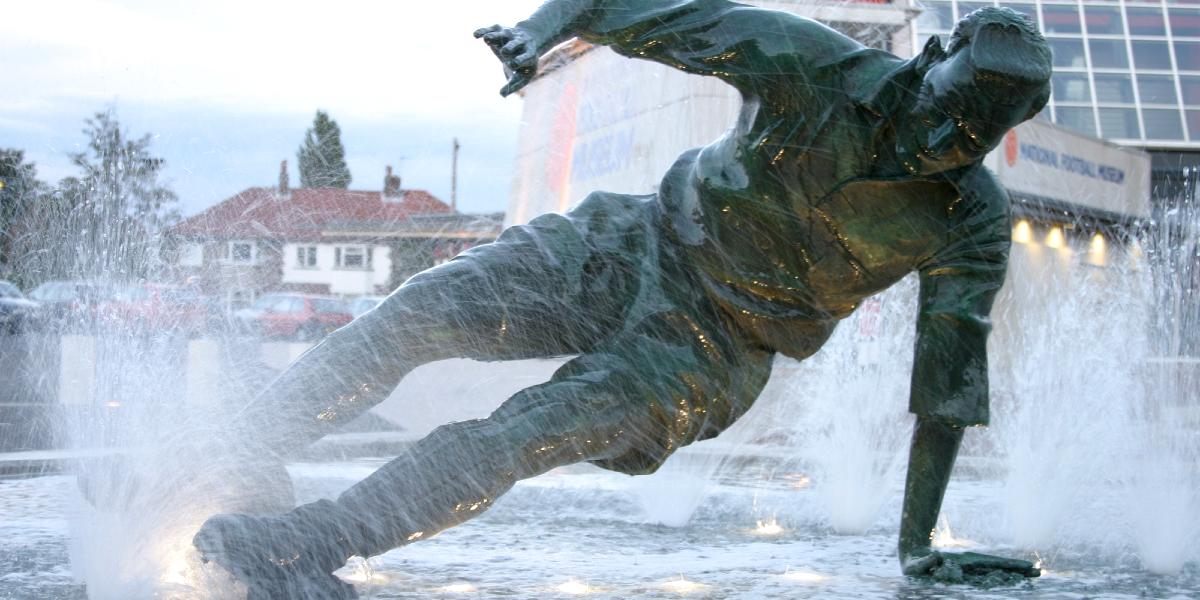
x,y
227,88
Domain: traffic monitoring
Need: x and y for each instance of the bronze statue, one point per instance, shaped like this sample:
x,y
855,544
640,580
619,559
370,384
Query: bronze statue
x,y
847,169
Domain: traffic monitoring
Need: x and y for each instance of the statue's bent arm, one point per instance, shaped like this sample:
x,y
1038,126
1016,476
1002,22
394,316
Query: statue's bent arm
x,y
959,283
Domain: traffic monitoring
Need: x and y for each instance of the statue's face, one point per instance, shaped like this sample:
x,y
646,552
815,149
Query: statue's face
x,y
956,119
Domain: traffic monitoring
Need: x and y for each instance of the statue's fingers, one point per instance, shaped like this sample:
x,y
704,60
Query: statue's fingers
x,y
514,47
497,38
485,30
516,82
526,60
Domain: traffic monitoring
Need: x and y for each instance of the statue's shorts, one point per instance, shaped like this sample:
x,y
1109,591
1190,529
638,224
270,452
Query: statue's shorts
x,y
657,364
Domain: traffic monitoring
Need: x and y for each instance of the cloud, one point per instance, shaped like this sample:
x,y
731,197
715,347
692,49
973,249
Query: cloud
x,y
378,59
228,88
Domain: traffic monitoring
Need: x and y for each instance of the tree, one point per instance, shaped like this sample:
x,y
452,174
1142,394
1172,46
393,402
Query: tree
x,y
19,189
120,176
322,158
107,222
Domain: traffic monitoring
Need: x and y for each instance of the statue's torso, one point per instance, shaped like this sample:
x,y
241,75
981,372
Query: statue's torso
x,y
780,220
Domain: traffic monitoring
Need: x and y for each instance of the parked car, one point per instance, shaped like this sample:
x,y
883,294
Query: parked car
x,y
68,305
302,317
154,307
17,313
364,303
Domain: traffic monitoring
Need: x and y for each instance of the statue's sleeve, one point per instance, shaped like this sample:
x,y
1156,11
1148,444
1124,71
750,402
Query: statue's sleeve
x,y
958,285
751,48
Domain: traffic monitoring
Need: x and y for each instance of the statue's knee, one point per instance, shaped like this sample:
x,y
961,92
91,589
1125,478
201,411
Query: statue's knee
x,y
577,422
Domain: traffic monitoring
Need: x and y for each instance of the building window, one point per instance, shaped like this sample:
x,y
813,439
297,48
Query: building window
x,y
1109,54
1067,53
1156,89
1119,123
1193,121
1077,118
1162,124
1149,54
1191,89
1185,22
241,253
1061,19
1187,55
192,255
1103,20
1145,21
1071,87
306,257
1115,88
352,257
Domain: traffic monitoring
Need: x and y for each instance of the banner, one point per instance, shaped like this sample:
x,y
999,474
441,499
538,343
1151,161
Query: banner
x,y
1040,160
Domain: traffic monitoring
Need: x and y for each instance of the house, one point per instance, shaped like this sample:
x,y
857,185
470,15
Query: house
x,y
321,240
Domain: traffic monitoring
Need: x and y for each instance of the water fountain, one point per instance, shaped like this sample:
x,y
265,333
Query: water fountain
x,y
1089,464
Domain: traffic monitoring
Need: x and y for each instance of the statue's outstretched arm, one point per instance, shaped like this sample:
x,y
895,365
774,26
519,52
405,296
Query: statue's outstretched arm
x,y
751,48
959,282
931,459
934,448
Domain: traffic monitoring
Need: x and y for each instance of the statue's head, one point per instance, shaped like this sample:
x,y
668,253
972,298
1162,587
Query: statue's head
x,y
994,74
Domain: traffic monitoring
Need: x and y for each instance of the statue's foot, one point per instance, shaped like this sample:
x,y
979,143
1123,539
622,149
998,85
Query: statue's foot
x,y
283,557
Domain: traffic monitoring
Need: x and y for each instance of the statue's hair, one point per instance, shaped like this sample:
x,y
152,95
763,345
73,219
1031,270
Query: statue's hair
x,y
968,26
1004,44
1022,55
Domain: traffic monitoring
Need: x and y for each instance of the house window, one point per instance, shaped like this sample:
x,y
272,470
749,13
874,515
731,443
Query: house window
x,y
241,253
192,255
352,257
306,257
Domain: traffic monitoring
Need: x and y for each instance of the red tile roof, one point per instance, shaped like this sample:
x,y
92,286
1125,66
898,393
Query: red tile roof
x,y
303,215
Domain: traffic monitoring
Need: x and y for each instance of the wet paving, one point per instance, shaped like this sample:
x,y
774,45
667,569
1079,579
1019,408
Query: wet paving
x,y
584,532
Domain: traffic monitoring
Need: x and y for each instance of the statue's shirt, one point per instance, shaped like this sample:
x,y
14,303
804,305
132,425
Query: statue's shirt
x,y
781,217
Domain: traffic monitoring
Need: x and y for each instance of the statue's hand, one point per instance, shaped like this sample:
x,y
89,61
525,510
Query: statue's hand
x,y
516,50
968,567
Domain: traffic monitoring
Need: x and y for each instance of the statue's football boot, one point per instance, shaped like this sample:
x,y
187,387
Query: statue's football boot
x,y
284,557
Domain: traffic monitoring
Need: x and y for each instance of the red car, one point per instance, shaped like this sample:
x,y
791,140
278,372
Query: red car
x,y
301,317
154,307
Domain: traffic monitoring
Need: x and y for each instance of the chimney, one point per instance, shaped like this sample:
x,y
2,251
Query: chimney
x,y
284,189
391,185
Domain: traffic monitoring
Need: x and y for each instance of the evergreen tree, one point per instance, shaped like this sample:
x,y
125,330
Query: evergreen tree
x,y
19,190
107,222
120,176
322,158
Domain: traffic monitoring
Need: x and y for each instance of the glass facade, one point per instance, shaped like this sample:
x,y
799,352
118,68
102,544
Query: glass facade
x,y
1126,70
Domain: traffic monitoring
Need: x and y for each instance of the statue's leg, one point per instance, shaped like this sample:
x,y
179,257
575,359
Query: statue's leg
x,y
658,385
526,295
